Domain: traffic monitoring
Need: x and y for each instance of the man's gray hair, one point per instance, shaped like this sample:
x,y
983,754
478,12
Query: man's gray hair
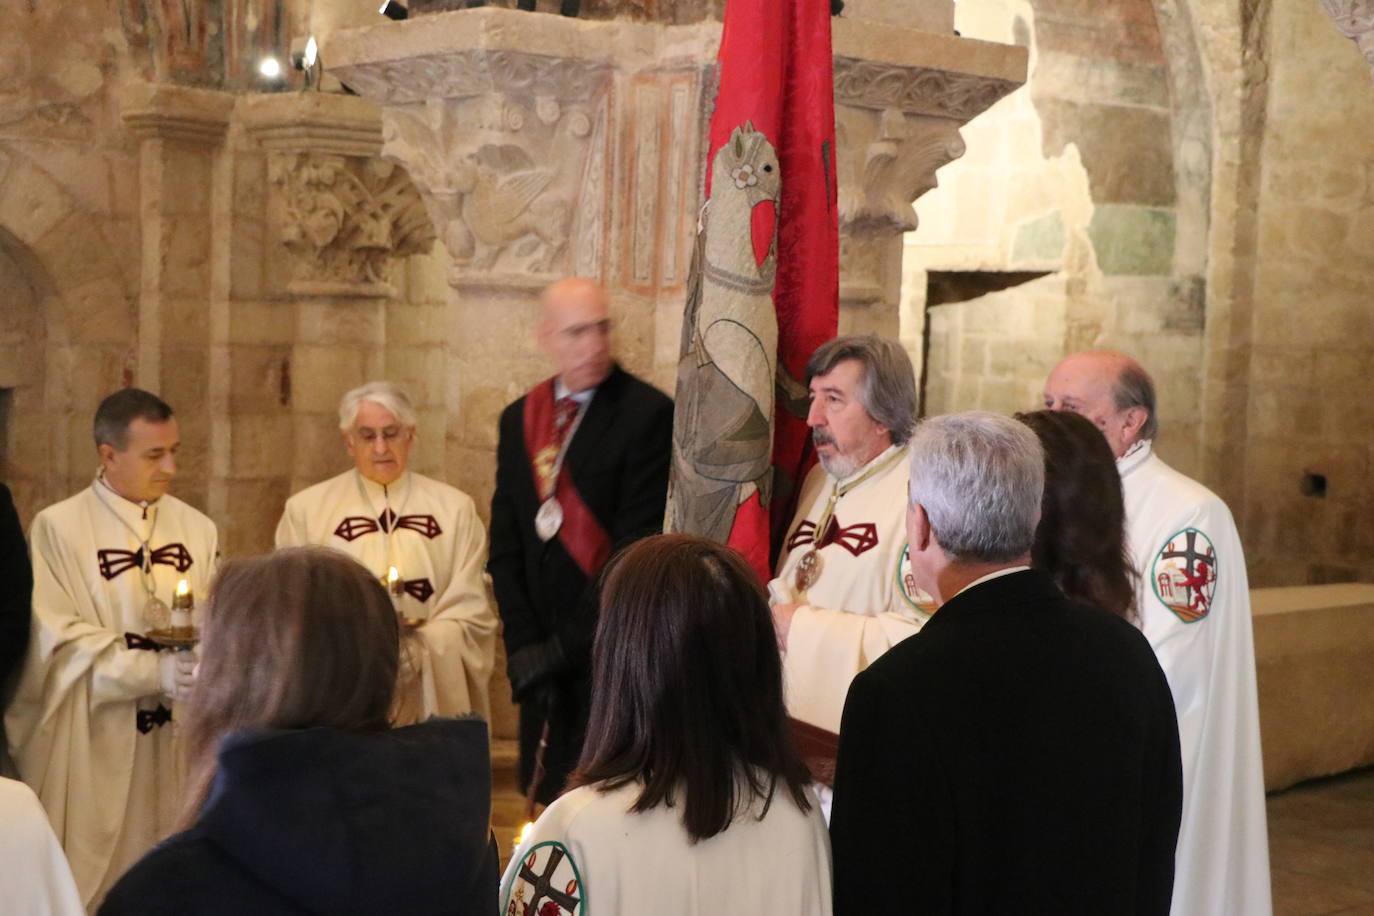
x,y
1135,388
888,390
385,394
979,476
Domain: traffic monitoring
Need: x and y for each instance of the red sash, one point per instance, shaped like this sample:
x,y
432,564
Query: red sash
x,y
586,541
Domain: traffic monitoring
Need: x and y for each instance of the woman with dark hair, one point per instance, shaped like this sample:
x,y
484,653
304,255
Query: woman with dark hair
x,y
300,797
1081,539
689,797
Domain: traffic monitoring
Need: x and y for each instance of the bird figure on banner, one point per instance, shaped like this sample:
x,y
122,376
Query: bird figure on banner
x,y
726,373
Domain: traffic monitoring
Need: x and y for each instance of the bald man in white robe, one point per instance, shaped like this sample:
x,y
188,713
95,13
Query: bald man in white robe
x,y
1194,606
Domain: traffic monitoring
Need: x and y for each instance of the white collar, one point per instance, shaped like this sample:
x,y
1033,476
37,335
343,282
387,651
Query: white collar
x,y
132,510
561,391
1135,456
392,494
988,578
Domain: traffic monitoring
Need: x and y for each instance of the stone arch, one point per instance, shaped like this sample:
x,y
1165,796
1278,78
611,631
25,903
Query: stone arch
x,y
68,331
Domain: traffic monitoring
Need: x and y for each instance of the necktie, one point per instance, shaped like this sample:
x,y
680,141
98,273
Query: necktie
x,y
564,409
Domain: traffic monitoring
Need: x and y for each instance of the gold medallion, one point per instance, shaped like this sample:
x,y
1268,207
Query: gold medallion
x,y
808,571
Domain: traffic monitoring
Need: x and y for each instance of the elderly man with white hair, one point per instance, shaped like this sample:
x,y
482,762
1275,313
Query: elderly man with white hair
x,y
1020,753
421,536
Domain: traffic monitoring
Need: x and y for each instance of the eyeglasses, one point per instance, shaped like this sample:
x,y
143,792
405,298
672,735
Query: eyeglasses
x,y
389,434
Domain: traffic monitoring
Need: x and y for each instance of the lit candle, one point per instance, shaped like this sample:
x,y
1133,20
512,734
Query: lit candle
x,y
524,834
394,583
182,603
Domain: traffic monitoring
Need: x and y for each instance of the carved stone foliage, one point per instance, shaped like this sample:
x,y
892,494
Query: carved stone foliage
x,y
1355,20
344,218
916,90
503,173
886,161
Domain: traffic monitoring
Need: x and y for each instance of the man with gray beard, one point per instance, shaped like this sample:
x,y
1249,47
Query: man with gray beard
x,y
843,594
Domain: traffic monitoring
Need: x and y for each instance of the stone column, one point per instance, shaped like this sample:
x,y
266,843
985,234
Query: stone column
x,y
901,96
181,133
1355,20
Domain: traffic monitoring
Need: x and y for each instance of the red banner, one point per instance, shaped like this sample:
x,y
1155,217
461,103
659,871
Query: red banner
x,y
764,292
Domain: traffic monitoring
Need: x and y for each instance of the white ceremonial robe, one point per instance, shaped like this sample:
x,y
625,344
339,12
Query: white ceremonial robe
x,y
1194,607
35,879
437,544
624,862
864,600
82,727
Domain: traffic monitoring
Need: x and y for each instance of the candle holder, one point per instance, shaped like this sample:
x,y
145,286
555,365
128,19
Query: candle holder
x,y
181,634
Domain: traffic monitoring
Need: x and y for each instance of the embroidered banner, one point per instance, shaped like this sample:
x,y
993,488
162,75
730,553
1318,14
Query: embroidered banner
x,y
764,287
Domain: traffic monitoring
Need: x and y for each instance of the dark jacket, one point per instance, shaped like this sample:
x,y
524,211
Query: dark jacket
x,y
1018,755
331,822
15,597
619,460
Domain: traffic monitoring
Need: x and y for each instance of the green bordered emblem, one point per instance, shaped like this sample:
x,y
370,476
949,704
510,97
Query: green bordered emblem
x,y
917,600
547,883
1184,575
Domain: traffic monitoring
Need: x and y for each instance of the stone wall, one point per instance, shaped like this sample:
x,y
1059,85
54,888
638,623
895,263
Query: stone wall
x,y
1313,320
1256,319
1098,172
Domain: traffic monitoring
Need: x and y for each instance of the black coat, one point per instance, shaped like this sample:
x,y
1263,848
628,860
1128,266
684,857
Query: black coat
x,y
619,459
330,822
16,595
1018,755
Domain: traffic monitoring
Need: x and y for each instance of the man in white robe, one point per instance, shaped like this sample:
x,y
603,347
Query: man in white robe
x,y
844,595
388,517
89,725
1194,606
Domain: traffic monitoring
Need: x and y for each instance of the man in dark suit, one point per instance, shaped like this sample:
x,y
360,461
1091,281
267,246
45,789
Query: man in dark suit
x,y
1019,754
581,470
17,575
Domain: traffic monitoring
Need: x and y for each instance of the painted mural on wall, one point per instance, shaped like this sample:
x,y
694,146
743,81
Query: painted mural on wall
x,y
215,43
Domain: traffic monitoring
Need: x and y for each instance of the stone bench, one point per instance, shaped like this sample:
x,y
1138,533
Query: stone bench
x,y
1314,661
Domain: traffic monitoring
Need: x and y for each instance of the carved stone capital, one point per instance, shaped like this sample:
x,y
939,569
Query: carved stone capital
x,y
886,161
1355,20
344,213
344,219
155,111
476,129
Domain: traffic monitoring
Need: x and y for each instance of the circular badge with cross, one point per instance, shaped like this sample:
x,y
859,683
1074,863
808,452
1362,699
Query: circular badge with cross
x,y
547,884
1184,575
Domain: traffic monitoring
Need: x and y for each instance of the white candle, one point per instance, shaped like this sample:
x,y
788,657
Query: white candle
x,y
182,603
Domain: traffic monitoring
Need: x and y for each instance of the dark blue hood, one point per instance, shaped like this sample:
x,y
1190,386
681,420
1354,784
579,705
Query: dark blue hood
x,y
395,821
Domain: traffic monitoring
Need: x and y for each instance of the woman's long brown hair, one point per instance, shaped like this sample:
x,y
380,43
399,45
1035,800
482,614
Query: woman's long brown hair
x,y
1081,539
298,638
687,686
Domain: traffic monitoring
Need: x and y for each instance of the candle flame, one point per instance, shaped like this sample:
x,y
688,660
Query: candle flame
x,y
524,833
392,575
183,588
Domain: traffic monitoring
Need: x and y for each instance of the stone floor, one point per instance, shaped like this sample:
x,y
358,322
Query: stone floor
x,y
1321,839
1321,846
